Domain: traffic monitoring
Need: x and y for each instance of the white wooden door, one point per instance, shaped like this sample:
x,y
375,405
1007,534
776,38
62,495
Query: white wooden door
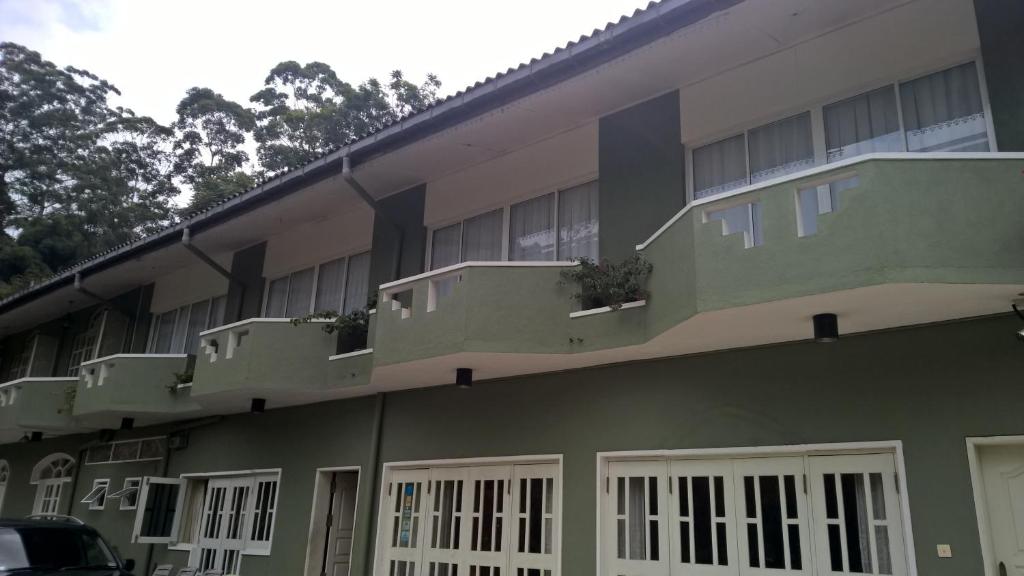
x,y
702,529
446,520
343,509
48,497
1002,469
487,501
636,537
402,536
222,535
535,520
857,526
772,517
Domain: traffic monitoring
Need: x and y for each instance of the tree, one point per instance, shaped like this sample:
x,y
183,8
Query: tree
x,y
211,132
306,111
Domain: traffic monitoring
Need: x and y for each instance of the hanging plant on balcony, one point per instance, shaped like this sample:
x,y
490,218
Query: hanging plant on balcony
x,y
609,284
70,393
352,328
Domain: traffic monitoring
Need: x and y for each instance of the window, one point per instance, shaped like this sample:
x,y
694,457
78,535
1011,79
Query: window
x,y
862,124
740,219
127,451
128,494
497,519
97,497
786,514
222,517
21,363
85,345
341,285
49,477
177,331
532,229
760,154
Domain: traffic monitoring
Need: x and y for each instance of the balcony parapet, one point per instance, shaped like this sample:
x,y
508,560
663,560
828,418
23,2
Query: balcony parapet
x,y
38,405
150,387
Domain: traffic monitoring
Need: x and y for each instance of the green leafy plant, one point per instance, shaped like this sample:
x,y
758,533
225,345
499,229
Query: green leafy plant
x,y
70,393
609,284
353,329
183,377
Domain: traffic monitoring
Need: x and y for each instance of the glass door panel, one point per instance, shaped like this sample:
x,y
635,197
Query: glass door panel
x,y
403,532
702,530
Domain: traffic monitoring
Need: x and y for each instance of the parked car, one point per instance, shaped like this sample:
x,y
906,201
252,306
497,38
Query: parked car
x,y
57,545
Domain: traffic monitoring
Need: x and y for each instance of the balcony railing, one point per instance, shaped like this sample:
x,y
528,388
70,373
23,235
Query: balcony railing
x,y
38,405
146,386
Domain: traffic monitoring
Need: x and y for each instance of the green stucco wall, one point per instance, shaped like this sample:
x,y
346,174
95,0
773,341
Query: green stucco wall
x,y
928,387
1002,47
406,209
640,166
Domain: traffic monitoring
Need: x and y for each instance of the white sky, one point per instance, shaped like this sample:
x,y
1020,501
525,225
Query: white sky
x,y
154,50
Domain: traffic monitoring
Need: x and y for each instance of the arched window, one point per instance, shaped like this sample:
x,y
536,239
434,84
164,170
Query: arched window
x,y
5,474
49,476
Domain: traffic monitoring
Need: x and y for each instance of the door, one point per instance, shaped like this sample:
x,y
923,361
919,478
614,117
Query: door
x,y
772,515
487,503
402,535
48,497
857,527
341,517
446,519
701,517
637,536
222,536
1002,469
535,520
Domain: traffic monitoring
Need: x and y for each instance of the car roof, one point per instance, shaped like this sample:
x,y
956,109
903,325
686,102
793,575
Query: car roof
x,y
40,523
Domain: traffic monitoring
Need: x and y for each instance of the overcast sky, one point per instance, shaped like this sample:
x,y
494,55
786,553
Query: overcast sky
x,y
154,50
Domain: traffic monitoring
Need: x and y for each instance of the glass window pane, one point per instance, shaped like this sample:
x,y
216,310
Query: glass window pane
x,y
578,222
637,519
300,291
781,148
277,293
164,332
532,229
444,246
943,112
218,309
180,331
196,324
329,284
481,237
357,286
719,167
702,544
771,522
863,124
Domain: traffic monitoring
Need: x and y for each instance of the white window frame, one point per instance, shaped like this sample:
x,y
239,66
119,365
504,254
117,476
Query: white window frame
x,y
139,458
97,497
154,324
816,109
22,363
131,485
141,510
506,214
379,568
894,447
96,331
66,469
316,282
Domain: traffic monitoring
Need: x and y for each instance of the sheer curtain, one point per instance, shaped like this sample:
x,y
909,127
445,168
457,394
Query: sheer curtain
x,y
719,167
358,285
532,229
863,124
329,284
444,246
277,294
943,112
780,148
164,332
180,331
197,322
578,222
481,237
300,291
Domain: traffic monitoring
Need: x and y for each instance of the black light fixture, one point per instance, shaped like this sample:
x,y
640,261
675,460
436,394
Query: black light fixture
x,y
36,437
127,423
258,405
107,435
464,377
826,327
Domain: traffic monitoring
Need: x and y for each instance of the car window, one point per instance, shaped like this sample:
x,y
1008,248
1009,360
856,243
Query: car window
x,y
51,548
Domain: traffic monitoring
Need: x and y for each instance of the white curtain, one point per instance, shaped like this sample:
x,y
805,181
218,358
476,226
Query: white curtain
x,y
481,237
863,124
637,518
277,293
780,148
943,112
532,229
164,332
719,167
578,222
300,291
198,318
180,331
358,284
330,282
444,246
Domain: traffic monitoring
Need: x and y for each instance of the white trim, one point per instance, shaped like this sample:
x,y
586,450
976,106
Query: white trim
x,y
477,264
115,356
201,475
885,156
894,447
351,354
248,321
124,486
602,310
312,508
464,462
974,445
26,379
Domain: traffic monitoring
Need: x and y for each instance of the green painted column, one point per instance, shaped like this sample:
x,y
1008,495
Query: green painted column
x,y
405,208
640,157
245,298
1000,25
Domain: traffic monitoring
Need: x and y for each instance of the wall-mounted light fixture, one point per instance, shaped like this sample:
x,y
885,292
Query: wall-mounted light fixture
x,y
464,377
826,327
258,405
127,423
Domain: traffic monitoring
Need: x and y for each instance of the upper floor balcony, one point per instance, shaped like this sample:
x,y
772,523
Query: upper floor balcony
x,y
149,388
38,405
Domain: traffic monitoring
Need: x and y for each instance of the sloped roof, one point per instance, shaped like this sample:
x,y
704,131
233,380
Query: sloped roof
x,y
645,25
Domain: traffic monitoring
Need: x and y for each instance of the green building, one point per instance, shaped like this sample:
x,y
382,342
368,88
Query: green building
x,y
793,171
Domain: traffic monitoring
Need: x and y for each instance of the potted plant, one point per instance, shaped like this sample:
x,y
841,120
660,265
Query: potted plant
x,y
352,329
609,284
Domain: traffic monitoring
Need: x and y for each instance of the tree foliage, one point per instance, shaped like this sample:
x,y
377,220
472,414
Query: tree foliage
x,y
80,176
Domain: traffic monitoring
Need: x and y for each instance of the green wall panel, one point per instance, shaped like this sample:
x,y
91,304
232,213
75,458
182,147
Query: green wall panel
x,y
406,209
1002,44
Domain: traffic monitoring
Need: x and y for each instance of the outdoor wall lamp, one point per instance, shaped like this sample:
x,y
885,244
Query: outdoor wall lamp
x,y
127,423
464,377
258,405
826,327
